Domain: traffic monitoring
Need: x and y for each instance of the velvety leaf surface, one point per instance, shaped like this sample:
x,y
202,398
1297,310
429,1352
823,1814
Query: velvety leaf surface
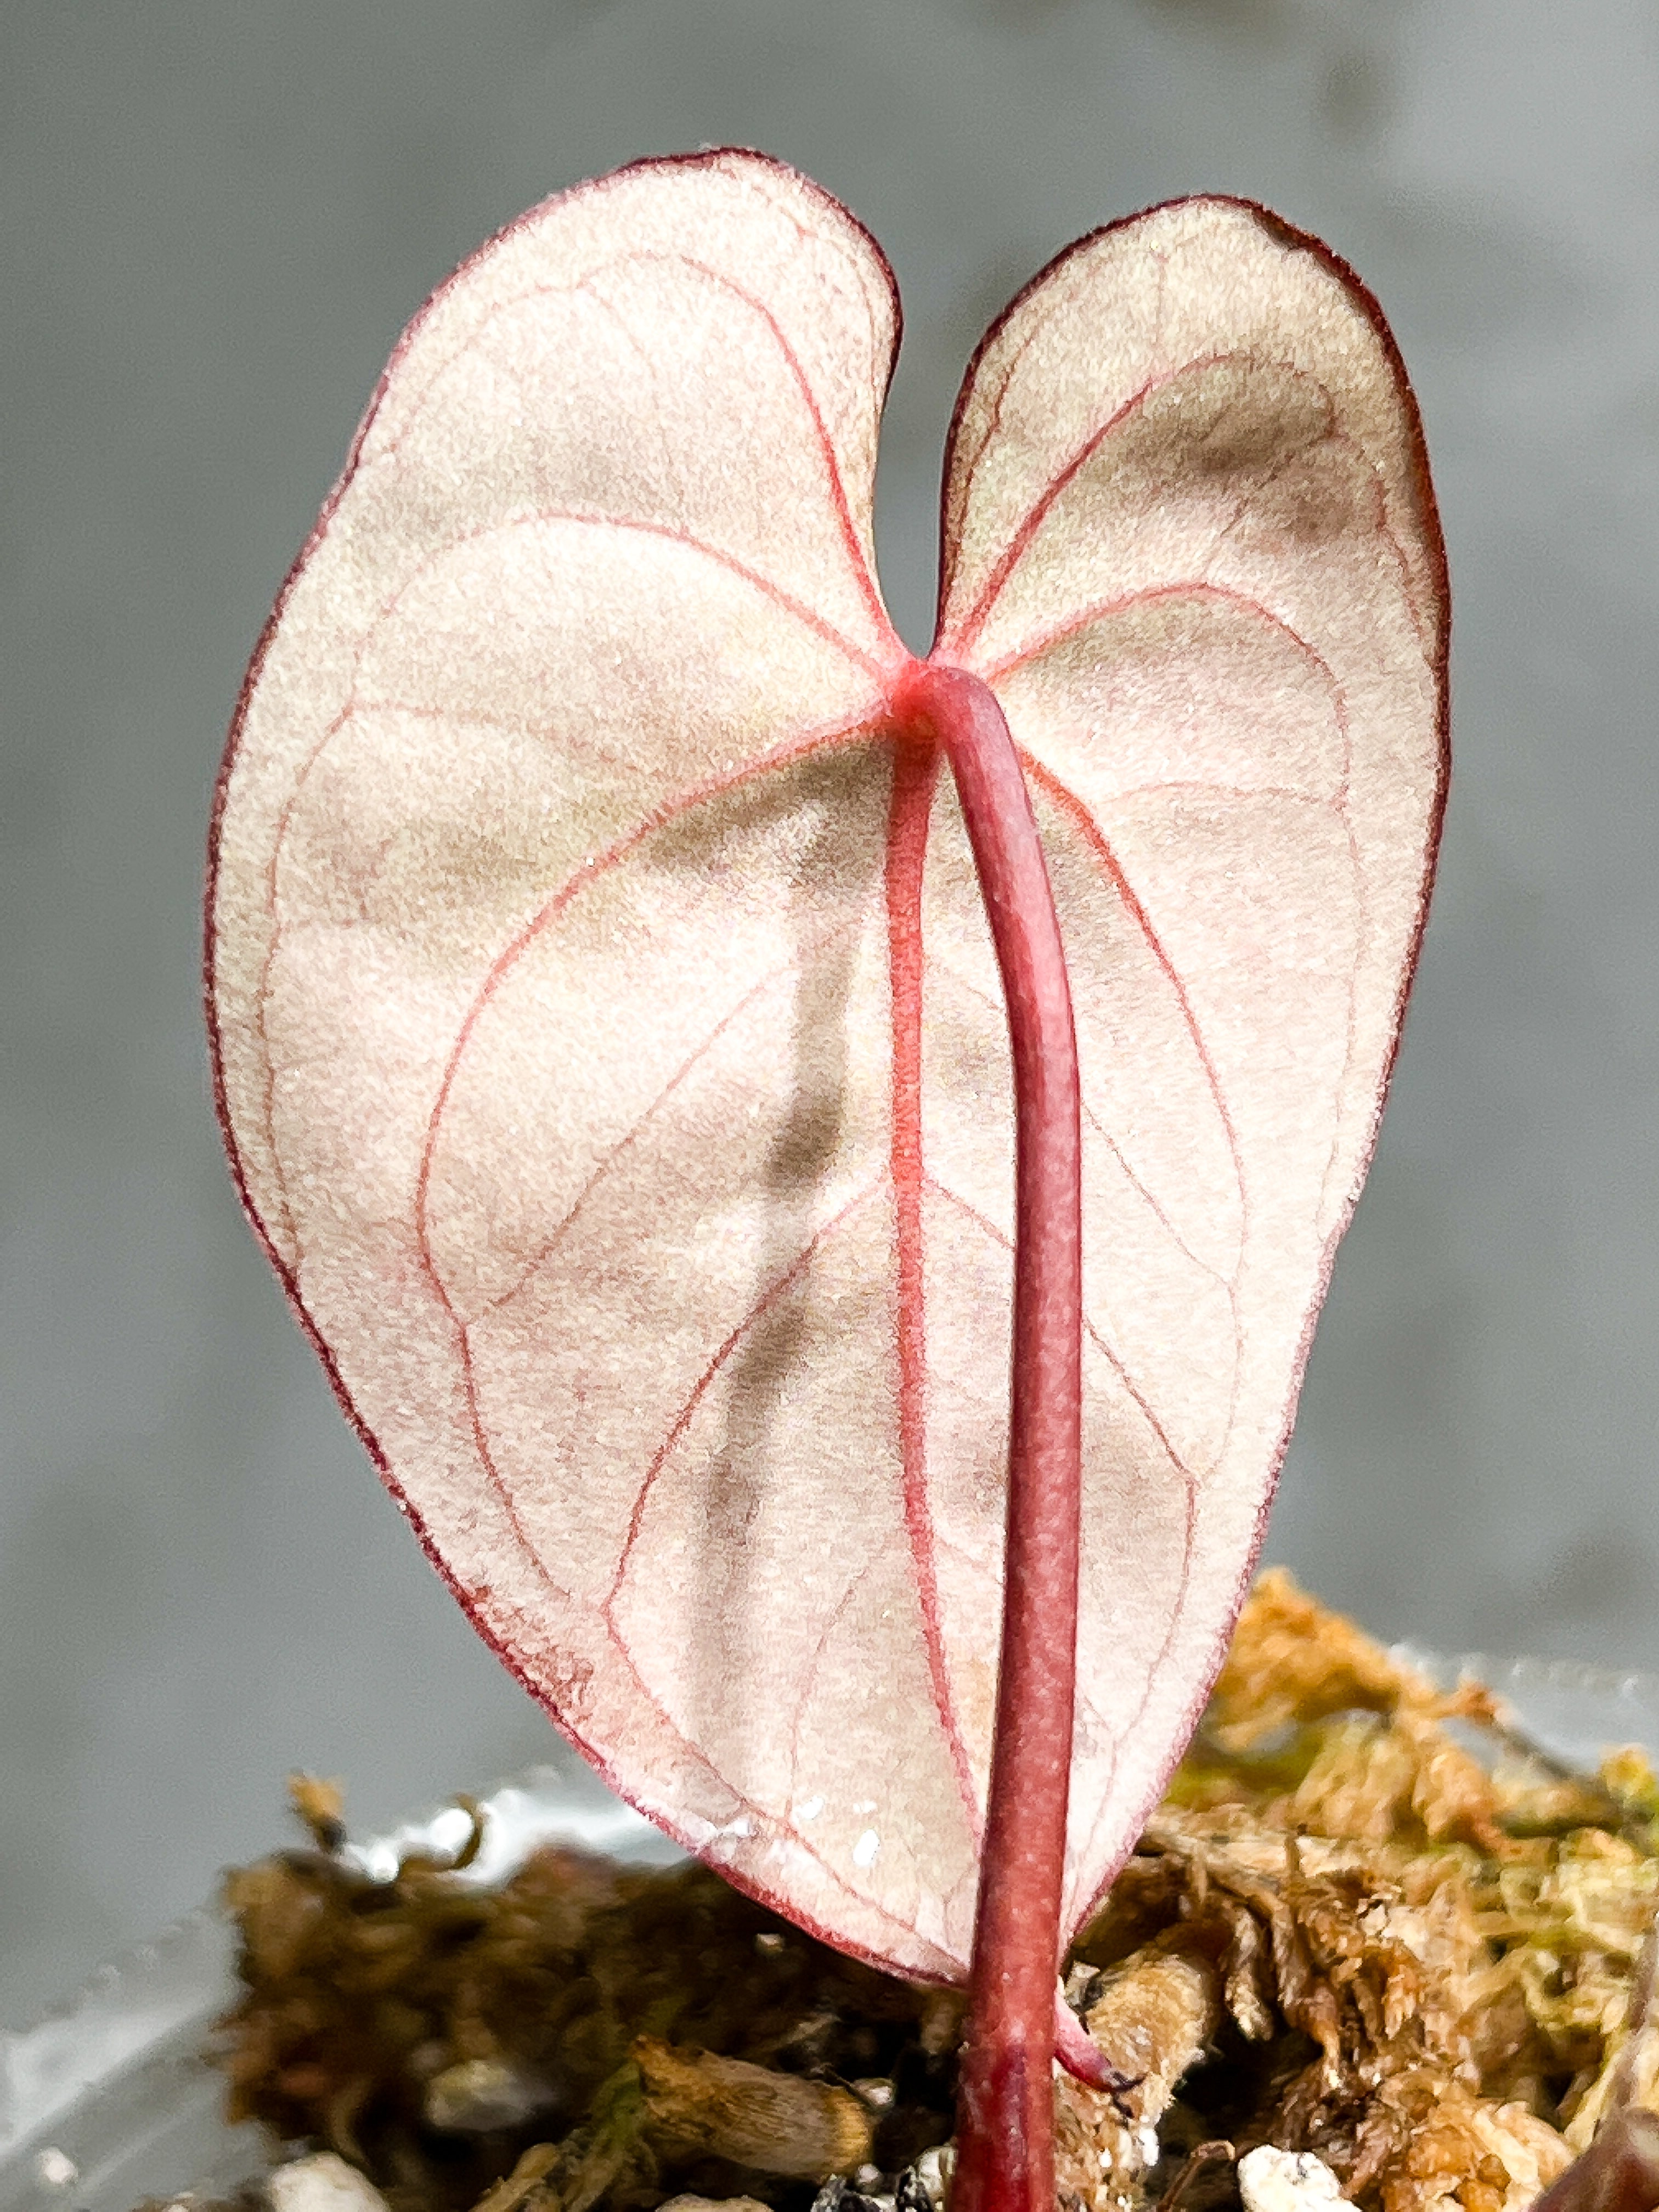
x,y
1189,543
610,1045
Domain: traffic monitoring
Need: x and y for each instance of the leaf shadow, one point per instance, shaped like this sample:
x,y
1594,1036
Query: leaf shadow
x,y
731,1568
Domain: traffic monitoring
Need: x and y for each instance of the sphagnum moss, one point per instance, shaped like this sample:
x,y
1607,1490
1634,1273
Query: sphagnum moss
x,y
1366,1922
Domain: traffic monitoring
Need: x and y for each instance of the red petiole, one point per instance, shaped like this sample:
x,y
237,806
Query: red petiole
x,y
1004,2148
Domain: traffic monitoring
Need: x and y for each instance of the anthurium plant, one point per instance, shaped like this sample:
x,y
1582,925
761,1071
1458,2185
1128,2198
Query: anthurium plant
x,y
811,1170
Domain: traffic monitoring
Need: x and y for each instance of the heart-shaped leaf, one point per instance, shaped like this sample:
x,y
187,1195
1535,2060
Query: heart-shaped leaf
x,y
609,1043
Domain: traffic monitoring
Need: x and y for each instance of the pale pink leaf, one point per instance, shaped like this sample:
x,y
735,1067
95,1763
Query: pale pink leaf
x,y
615,1065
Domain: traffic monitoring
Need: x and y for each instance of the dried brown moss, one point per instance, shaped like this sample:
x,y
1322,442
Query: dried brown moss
x,y
1364,1923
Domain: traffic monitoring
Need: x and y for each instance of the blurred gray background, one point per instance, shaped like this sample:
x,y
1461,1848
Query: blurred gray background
x,y
217,218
